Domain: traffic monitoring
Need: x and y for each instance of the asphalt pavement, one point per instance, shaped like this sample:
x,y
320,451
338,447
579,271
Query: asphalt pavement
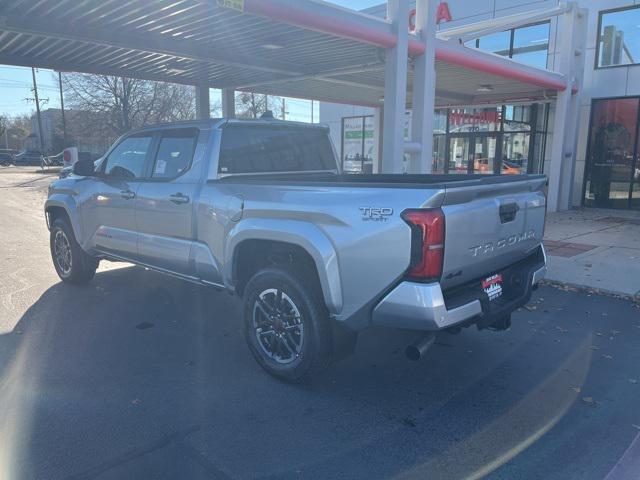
x,y
142,376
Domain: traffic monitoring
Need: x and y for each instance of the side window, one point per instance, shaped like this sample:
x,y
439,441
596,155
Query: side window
x,y
127,159
175,153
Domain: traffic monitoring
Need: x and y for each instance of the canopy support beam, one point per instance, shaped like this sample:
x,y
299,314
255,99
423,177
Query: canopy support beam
x,y
203,105
228,103
395,89
424,88
572,29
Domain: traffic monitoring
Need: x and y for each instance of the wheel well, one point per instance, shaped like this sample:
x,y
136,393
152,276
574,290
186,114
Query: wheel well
x,y
254,255
53,213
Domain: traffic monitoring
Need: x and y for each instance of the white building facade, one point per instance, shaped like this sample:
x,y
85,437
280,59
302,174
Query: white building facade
x,y
516,137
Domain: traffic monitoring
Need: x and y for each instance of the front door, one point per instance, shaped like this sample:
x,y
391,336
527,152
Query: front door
x,y
473,153
612,178
165,202
484,154
109,219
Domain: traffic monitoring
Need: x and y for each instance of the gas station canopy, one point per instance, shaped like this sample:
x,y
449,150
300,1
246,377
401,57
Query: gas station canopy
x,y
313,50
294,48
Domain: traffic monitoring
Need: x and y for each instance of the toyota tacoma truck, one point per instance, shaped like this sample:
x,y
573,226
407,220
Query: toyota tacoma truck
x,y
260,208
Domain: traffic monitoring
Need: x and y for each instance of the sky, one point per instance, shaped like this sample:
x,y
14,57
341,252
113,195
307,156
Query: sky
x,y
16,85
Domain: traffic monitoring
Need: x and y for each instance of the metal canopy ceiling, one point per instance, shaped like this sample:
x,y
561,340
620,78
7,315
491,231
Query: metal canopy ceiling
x,y
197,41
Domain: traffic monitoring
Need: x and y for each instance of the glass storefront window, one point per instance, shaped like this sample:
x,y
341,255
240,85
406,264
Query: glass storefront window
x,y
517,118
474,120
542,117
536,163
611,158
619,35
439,153
440,121
515,153
508,139
484,154
531,44
635,194
358,145
459,152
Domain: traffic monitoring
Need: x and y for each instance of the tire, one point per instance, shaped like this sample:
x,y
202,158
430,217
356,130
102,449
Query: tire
x,y
296,342
72,264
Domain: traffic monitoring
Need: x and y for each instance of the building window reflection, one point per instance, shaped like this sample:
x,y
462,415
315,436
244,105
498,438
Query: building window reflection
x,y
528,44
619,37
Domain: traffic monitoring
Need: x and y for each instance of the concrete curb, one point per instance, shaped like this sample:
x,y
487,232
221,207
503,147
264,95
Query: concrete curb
x,y
597,291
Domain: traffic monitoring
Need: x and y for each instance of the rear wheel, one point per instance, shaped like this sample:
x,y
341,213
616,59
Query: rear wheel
x,y
286,323
72,264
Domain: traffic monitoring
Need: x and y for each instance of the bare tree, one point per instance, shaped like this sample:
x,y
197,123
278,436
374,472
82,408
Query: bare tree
x,y
252,105
121,104
3,125
17,129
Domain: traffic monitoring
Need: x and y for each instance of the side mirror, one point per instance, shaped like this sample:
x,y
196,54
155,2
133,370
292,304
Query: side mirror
x,y
84,168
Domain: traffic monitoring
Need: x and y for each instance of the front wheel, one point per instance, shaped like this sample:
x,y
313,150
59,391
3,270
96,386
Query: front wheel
x,y
286,323
72,264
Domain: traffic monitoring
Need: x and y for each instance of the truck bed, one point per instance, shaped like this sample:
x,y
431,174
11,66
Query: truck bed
x,y
380,180
373,253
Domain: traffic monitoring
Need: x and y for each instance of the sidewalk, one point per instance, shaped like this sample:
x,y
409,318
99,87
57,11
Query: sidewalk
x,y
595,248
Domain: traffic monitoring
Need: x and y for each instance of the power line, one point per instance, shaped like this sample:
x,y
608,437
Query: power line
x,y
52,89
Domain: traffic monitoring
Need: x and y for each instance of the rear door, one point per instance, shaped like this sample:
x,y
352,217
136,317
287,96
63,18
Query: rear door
x,y
490,224
164,205
109,216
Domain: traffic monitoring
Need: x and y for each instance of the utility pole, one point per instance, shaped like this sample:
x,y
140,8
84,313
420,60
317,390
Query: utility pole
x,y
311,111
64,121
35,93
284,113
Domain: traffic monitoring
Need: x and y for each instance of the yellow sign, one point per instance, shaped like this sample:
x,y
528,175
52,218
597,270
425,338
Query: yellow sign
x,y
233,4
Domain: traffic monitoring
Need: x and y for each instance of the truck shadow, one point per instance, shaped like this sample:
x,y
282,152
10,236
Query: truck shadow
x,y
91,375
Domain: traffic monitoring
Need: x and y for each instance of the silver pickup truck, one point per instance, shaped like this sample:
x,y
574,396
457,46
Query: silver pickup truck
x,y
261,209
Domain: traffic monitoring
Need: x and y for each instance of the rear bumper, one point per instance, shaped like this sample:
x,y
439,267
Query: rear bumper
x,y
420,306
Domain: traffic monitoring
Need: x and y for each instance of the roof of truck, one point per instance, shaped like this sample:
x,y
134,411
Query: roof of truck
x,y
219,122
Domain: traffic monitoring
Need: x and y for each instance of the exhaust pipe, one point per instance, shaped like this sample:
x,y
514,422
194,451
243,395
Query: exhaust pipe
x,y
419,348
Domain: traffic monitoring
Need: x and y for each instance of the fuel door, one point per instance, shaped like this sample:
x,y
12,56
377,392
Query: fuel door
x,y
235,207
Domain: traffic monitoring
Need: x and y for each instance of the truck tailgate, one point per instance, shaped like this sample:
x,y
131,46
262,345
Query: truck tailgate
x,y
489,226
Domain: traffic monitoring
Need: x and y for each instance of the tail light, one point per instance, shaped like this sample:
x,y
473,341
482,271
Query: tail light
x,y
427,243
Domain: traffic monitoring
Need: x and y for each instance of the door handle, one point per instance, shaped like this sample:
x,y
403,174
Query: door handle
x,y
127,194
179,198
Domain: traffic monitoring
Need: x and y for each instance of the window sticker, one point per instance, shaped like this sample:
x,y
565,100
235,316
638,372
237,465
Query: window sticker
x,y
161,167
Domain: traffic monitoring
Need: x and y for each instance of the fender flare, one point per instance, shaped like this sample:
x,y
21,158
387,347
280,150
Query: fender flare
x,y
69,206
303,234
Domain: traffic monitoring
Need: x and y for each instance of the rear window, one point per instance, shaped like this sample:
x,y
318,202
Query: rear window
x,y
260,148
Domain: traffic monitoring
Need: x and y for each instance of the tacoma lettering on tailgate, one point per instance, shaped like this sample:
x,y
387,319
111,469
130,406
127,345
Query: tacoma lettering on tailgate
x,y
509,241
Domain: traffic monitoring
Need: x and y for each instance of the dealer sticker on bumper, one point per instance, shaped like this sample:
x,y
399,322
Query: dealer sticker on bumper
x,y
493,286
